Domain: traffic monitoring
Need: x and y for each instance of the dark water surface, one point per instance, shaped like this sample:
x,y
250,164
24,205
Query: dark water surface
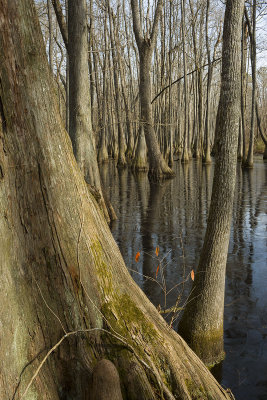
x,y
173,217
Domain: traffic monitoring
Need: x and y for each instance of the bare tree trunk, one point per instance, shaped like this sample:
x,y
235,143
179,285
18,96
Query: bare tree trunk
x,y
264,139
243,88
121,163
185,156
81,132
102,155
50,28
171,135
202,322
158,168
206,155
249,160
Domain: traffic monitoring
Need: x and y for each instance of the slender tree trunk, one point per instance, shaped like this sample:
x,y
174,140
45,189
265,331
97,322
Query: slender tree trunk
x,y
243,87
185,156
249,160
81,132
102,155
64,30
206,155
202,322
121,163
264,139
158,168
171,135
83,306
50,29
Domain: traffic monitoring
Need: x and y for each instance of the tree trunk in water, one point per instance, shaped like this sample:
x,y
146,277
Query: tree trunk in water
x,y
202,322
102,155
185,156
80,130
158,168
121,138
140,163
249,160
243,87
264,139
83,306
206,150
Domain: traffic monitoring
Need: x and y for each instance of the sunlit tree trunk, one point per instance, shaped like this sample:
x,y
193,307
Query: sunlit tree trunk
x,y
67,299
206,149
202,322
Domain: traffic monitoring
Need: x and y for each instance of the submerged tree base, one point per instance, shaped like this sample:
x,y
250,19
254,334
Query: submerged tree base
x,y
208,345
139,164
247,164
158,174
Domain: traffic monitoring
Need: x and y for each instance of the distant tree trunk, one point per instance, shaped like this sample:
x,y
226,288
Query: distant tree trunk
x,y
202,322
80,130
121,163
67,115
140,163
243,87
67,299
263,137
158,168
198,56
171,134
249,161
206,149
61,20
185,156
102,155
50,29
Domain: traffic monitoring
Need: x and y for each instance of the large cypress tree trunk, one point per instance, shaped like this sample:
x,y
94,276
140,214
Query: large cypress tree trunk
x,y
202,321
67,300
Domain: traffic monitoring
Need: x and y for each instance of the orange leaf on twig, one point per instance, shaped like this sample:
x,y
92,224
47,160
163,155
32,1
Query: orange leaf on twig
x,y
192,274
137,256
157,271
157,251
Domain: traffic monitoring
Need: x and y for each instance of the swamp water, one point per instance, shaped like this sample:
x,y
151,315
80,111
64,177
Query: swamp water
x,y
172,216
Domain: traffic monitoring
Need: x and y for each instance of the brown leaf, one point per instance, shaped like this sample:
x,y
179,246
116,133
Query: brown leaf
x,y
157,251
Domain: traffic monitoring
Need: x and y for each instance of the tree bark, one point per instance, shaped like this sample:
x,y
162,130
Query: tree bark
x,y
185,155
50,29
202,322
80,129
158,168
206,149
121,138
249,161
68,301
